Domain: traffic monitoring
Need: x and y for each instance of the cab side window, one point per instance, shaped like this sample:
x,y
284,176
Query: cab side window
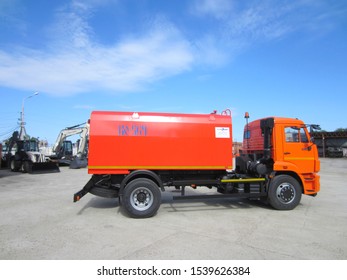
x,y
295,135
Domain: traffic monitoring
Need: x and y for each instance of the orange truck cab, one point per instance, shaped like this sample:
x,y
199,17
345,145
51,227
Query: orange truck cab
x,y
281,149
136,156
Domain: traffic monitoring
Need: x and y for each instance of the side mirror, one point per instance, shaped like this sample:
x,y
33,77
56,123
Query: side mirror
x,y
309,148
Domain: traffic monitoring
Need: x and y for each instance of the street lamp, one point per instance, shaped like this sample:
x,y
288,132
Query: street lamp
x,y
22,133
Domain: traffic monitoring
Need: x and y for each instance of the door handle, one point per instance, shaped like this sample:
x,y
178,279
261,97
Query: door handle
x,y
287,153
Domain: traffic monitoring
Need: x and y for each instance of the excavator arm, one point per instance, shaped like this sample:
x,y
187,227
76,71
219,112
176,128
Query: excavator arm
x,y
69,131
83,131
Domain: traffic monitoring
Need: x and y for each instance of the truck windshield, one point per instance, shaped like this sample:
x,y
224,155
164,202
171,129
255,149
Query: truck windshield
x,y
295,135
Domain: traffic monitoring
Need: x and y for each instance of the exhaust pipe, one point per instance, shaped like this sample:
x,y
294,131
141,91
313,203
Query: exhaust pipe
x,y
266,126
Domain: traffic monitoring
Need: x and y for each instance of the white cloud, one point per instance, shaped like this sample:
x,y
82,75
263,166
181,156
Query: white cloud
x,y
211,52
122,67
259,22
216,8
73,62
242,23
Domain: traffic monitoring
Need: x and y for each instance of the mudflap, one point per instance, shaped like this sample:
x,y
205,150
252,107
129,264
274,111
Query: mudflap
x,y
77,163
43,167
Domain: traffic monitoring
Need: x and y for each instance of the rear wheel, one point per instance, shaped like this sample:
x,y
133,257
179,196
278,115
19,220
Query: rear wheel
x,y
284,192
141,198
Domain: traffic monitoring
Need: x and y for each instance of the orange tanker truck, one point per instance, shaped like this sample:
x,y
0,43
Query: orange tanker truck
x,y
135,156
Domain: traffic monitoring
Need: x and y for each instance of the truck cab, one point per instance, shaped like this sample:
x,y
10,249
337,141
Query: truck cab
x,y
295,153
274,147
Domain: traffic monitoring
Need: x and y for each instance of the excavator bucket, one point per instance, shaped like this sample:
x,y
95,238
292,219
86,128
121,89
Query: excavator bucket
x,y
43,167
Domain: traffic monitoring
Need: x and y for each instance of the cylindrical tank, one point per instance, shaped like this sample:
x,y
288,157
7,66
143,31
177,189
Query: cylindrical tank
x,y
123,141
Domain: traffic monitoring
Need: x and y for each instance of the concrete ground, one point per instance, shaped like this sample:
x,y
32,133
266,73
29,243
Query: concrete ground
x,y
40,221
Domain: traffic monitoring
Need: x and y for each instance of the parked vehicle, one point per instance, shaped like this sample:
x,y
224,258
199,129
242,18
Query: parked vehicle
x,y
334,152
63,149
27,157
135,156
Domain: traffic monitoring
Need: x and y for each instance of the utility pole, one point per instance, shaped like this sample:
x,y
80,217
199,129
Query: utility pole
x,y
22,133
247,136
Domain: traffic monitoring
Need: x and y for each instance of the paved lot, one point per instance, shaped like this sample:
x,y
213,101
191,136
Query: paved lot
x,y
40,221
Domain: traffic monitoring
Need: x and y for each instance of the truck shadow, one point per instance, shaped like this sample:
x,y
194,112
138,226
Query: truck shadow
x,y
215,204
100,203
190,205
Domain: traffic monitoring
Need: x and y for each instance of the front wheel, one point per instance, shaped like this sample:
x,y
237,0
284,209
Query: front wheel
x,y
13,165
284,192
141,198
27,166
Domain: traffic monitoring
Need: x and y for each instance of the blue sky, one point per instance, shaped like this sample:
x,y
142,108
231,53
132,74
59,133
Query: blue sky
x,y
270,58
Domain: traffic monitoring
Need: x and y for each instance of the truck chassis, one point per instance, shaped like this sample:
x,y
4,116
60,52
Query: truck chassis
x,y
139,192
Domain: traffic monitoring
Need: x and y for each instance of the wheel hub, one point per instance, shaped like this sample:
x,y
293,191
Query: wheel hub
x,y
141,199
286,193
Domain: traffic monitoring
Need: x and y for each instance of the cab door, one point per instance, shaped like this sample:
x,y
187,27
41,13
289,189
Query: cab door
x,y
297,148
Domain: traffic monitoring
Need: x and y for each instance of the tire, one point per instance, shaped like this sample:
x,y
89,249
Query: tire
x,y
27,167
13,165
141,198
102,192
284,192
